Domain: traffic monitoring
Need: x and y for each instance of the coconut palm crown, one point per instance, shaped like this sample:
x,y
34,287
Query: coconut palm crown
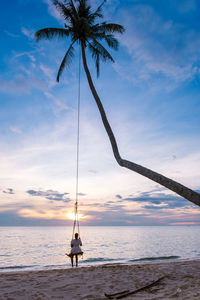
x,y
81,27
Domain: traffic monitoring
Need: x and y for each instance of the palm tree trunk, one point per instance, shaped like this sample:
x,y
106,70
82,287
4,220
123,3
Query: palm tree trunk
x,y
164,181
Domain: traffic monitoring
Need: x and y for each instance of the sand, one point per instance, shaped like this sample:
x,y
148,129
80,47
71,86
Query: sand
x,y
181,281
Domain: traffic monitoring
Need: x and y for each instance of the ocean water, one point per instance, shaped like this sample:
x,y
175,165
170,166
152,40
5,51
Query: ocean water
x,y
37,248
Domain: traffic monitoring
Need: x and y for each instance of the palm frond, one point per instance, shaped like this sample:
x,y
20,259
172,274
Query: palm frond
x,y
103,53
98,12
80,25
97,65
111,28
64,10
49,33
111,41
66,62
73,10
95,56
98,52
84,9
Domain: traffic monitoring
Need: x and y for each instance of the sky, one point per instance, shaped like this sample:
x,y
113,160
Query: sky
x,y
151,95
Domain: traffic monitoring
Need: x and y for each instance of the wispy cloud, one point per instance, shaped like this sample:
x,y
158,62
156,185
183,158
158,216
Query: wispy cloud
x,y
25,217
186,6
11,34
49,74
53,11
159,201
15,129
159,48
50,195
29,33
9,191
26,53
59,104
20,84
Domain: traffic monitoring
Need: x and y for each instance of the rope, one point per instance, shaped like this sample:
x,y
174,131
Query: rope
x,y
76,220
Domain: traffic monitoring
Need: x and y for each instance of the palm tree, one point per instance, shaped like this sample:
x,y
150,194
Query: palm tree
x,y
81,27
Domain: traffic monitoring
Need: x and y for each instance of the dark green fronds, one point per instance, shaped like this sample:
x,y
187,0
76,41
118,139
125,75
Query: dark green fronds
x,y
95,56
98,12
111,28
64,10
97,65
73,10
83,9
99,52
103,53
66,62
49,33
80,25
111,41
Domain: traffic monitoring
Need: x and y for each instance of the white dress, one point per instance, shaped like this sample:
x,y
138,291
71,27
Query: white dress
x,y
75,244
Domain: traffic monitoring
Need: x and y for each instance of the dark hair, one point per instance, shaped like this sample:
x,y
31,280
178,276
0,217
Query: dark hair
x,y
76,235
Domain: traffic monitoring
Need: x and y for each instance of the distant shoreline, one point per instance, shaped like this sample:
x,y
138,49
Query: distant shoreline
x,y
140,262
82,225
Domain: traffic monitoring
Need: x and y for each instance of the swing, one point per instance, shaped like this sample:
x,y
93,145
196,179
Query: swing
x,y
76,242
76,233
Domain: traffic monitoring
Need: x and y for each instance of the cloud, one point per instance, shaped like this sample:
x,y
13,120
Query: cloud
x,y
30,33
160,48
93,171
60,105
21,84
13,35
159,200
152,211
50,195
26,77
186,6
9,191
154,207
25,53
118,196
49,74
13,218
15,129
119,216
53,11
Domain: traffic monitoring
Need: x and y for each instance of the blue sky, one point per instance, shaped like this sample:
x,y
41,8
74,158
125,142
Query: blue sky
x,y
151,95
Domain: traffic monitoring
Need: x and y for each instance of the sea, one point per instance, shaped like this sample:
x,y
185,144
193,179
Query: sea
x,y
43,248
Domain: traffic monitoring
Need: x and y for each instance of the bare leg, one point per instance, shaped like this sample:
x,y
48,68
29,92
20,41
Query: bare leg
x,y
76,260
72,260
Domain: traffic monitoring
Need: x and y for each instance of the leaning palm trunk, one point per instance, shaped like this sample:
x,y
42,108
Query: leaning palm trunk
x,y
81,27
164,181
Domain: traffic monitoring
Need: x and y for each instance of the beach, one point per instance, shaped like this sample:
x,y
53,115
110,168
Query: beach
x,y
179,280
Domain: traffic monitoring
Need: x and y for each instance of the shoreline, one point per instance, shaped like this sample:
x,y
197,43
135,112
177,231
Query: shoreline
x,y
181,281
67,266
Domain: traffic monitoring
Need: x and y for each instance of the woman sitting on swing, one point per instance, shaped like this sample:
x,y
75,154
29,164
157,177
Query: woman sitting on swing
x,y
76,250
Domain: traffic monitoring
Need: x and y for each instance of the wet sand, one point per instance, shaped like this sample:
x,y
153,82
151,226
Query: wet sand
x,y
181,281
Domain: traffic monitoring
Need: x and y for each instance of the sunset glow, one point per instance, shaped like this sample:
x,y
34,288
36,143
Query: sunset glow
x,y
151,98
70,216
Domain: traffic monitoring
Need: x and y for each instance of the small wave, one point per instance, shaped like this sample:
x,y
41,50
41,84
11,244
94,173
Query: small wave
x,y
16,267
154,258
98,259
54,266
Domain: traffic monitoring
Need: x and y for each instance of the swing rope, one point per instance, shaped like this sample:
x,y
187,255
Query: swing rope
x,y
76,219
